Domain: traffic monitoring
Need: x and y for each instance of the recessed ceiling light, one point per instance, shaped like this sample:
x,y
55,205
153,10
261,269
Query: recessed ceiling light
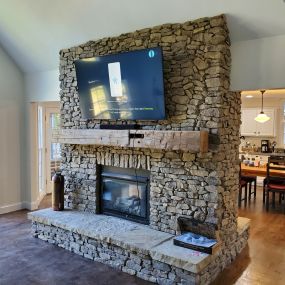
x,y
248,96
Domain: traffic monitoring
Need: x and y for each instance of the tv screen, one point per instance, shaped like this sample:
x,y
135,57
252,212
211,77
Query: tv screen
x,y
125,86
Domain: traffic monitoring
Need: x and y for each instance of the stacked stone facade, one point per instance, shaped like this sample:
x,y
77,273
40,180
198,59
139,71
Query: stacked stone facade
x,y
196,65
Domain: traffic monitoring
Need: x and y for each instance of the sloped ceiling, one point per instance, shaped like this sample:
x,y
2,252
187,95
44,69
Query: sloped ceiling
x,y
33,31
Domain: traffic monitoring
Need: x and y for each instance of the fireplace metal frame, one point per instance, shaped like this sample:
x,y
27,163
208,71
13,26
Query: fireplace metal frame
x,y
124,177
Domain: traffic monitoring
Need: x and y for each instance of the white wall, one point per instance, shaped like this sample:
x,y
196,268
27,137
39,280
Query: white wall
x,y
42,86
39,87
11,135
258,64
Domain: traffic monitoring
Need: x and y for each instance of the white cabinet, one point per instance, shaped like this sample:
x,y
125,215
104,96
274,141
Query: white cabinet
x,y
248,124
249,127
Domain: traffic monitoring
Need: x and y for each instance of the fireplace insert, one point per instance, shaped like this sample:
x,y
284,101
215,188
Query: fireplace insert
x,y
125,193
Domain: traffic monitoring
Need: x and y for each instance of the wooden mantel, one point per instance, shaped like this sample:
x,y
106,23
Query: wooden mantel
x,y
188,141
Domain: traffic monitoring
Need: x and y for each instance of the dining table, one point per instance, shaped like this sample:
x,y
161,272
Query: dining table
x,y
260,171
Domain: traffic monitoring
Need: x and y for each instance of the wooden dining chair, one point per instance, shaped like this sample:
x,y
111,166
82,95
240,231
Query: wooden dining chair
x,y
242,185
251,181
274,183
274,160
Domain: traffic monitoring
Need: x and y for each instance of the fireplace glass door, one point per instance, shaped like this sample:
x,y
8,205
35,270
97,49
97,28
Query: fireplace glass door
x,y
125,195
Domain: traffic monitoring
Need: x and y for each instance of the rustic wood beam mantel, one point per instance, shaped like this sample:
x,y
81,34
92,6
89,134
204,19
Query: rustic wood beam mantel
x,y
188,141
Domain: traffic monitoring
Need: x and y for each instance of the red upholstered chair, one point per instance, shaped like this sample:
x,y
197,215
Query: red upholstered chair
x,y
275,159
275,184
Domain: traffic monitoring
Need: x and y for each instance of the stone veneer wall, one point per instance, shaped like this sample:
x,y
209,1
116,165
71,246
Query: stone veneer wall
x,y
196,58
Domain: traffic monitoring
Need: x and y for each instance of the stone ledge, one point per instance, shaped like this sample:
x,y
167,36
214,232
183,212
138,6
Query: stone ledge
x,y
188,141
243,225
129,235
123,233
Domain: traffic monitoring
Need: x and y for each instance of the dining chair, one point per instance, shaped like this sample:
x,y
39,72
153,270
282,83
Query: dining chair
x,y
242,185
251,181
274,160
274,183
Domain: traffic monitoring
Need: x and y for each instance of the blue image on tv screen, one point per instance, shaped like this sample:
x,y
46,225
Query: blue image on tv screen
x,y
125,86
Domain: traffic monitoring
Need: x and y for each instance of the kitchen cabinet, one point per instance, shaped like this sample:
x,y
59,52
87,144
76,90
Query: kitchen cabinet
x,y
250,127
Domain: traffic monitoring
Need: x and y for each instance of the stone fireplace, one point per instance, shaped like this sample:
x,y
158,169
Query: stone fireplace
x,y
167,189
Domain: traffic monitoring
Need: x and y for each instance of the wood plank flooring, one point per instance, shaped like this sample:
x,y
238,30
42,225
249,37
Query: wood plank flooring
x,y
25,260
263,261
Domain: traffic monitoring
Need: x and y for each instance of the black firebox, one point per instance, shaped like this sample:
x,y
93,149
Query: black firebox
x,y
125,193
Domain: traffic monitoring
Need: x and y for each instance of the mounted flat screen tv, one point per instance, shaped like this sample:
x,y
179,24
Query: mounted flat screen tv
x,y
124,86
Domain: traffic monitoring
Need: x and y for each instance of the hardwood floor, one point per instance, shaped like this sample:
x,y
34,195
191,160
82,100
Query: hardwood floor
x,y
263,261
25,260
46,202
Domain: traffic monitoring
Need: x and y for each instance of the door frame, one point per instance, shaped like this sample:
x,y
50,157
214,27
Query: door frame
x,y
49,109
36,194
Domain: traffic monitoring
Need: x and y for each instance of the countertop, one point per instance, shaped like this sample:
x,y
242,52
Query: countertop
x,y
263,153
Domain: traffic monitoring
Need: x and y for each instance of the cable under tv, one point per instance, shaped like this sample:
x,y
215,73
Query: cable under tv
x,y
120,127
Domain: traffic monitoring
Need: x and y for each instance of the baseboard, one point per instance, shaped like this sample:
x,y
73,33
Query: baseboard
x,y
12,207
29,206
34,205
22,205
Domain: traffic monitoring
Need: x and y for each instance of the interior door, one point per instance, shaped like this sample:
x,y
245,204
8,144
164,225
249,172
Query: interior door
x,y
53,152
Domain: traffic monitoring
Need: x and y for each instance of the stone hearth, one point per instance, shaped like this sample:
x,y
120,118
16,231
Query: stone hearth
x,y
185,185
130,247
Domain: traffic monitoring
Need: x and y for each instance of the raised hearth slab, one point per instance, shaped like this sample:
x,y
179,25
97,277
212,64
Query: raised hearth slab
x,y
126,234
123,233
129,235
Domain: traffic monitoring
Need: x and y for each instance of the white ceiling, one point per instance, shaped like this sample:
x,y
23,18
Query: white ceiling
x,y
33,31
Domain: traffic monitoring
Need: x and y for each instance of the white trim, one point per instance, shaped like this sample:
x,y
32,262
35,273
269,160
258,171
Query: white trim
x,y
48,110
28,206
35,204
35,194
34,175
12,207
23,205
33,125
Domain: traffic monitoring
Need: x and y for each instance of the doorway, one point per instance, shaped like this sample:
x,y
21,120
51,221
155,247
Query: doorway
x,y
53,155
48,152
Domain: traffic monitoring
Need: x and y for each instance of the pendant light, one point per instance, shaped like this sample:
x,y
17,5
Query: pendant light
x,y
261,117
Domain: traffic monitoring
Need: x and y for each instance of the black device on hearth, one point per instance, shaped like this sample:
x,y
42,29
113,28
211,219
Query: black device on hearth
x,y
264,146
